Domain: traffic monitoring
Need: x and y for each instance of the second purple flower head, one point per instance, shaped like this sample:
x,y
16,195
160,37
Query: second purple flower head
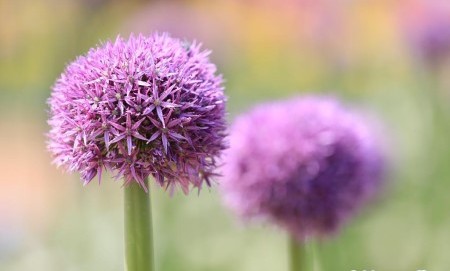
x,y
306,164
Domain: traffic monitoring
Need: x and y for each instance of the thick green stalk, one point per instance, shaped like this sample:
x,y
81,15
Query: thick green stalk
x,y
138,229
301,256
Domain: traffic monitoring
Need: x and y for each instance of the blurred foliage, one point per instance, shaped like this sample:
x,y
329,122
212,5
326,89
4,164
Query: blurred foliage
x,y
266,50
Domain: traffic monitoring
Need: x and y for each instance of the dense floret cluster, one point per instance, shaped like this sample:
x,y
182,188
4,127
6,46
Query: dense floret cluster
x,y
306,164
139,107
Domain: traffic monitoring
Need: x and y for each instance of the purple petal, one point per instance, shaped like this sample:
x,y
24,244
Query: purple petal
x,y
117,139
155,89
129,145
174,123
117,126
167,92
128,123
106,138
148,109
169,105
154,136
99,173
176,135
137,124
164,141
155,122
160,115
142,83
139,136
121,107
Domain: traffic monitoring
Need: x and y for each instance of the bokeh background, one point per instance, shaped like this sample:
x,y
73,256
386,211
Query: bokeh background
x,y
388,58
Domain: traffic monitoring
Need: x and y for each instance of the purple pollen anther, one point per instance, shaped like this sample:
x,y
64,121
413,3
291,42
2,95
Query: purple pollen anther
x,y
306,164
127,105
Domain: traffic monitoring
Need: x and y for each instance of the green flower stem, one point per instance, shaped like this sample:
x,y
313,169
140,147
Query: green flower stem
x,y
138,229
301,256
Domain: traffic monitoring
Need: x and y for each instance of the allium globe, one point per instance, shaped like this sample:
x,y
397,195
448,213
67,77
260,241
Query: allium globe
x,y
139,107
306,164
426,27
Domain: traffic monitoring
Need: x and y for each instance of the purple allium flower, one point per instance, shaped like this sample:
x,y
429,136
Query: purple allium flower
x,y
426,25
305,164
139,107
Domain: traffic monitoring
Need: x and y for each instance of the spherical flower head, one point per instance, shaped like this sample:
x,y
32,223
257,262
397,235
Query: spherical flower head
x,y
306,164
139,107
426,25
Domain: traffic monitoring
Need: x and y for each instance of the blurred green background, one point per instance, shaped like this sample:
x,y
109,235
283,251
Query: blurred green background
x,y
268,49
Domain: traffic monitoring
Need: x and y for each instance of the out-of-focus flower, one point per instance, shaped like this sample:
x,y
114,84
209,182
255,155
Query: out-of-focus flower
x,y
426,26
140,107
213,25
305,164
